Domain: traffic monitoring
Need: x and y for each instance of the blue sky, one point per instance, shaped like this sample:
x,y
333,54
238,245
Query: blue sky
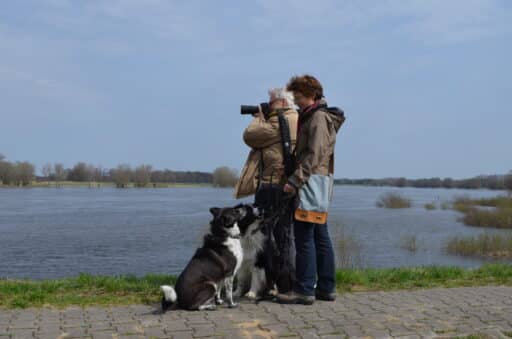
x,y
425,85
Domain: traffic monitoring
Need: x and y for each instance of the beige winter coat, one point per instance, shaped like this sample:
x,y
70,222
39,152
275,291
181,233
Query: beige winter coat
x,y
266,156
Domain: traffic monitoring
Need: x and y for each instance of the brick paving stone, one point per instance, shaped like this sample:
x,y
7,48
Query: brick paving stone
x,y
428,313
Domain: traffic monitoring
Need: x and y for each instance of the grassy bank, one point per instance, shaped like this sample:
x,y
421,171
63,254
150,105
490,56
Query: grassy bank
x,y
117,290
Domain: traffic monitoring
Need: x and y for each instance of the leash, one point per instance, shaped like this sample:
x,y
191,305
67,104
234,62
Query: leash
x,y
274,217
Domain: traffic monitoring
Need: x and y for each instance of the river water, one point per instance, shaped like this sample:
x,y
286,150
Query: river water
x,y
53,233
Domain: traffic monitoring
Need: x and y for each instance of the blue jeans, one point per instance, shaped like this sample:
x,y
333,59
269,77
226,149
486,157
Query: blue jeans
x,y
314,256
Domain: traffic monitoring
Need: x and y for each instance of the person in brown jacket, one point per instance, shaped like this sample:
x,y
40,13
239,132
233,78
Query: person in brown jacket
x,y
313,181
263,176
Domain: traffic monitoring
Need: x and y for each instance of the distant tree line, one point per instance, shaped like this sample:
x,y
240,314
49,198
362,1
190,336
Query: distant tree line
x,y
124,174
23,173
493,182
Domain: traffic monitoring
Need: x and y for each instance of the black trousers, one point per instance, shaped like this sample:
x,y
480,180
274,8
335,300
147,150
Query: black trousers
x,y
279,265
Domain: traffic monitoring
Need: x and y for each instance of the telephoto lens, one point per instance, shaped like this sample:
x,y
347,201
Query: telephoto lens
x,y
248,109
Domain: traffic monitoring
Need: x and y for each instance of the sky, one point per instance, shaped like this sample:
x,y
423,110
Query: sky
x,y
425,85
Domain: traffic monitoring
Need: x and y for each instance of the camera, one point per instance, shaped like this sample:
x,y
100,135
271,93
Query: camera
x,y
248,109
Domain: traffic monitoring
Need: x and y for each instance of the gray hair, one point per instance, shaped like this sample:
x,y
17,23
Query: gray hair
x,y
282,93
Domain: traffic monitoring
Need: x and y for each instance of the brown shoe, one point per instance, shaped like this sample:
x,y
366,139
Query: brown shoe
x,y
295,298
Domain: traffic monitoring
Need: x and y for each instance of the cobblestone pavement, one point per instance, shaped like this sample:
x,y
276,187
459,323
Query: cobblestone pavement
x,y
430,313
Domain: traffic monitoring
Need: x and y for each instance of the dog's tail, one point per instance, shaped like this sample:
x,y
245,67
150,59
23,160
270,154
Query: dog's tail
x,y
170,298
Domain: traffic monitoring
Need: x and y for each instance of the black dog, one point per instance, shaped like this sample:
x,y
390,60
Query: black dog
x,y
213,265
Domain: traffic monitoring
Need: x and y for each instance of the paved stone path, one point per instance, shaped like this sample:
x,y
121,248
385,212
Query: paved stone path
x,y
430,313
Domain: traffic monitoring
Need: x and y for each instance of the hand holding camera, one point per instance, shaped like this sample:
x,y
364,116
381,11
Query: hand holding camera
x,y
262,109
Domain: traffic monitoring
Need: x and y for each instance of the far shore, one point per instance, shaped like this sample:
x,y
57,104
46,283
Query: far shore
x,y
94,184
111,184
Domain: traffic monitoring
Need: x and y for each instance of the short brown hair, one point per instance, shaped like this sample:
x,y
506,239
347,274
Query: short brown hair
x,y
307,85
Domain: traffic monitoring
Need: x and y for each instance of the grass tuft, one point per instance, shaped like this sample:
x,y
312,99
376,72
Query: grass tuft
x,y
393,200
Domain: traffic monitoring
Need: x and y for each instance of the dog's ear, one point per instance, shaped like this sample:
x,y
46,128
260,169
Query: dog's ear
x,y
215,211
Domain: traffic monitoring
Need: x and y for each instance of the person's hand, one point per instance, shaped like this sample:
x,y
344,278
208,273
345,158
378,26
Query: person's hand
x,y
288,188
258,114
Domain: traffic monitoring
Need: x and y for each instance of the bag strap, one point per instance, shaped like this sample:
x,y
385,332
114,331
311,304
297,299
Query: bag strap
x,y
286,143
260,170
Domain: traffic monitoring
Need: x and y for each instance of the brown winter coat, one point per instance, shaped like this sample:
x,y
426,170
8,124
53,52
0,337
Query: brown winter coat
x,y
315,143
313,176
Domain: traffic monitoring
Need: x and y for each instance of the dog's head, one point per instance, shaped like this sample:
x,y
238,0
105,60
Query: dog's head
x,y
225,221
252,216
234,221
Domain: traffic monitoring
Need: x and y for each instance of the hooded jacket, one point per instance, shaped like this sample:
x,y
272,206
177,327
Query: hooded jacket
x,y
316,138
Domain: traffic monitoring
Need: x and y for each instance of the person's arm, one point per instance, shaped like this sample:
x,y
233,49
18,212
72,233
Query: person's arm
x,y
320,141
261,133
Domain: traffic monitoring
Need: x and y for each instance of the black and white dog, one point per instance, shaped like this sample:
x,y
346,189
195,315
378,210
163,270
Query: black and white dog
x,y
267,246
214,264
252,277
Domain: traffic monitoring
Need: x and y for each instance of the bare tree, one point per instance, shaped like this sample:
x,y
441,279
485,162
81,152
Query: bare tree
x,y
508,183
142,175
90,171
225,177
122,175
97,174
79,172
24,173
59,172
47,171
6,171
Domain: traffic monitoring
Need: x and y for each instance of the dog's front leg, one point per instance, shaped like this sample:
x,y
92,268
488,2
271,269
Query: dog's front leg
x,y
242,275
218,299
229,291
257,280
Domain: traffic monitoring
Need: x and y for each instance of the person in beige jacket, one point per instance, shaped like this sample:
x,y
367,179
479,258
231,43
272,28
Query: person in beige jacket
x,y
263,175
264,164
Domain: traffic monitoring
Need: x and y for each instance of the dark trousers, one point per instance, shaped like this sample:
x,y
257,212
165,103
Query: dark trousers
x,y
314,258
279,266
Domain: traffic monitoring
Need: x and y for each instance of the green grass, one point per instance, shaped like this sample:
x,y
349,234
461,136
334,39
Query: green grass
x,y
473,336
422,277
86,289
393,200
486,212
483,245
82,290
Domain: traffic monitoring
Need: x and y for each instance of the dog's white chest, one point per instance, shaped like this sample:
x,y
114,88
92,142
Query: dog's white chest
x,y
235,247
